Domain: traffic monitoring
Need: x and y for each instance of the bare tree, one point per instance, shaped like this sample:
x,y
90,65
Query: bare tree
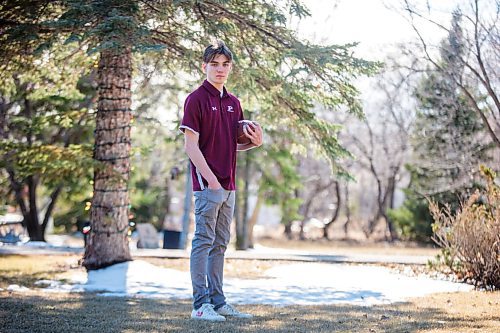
x,y
381,142
336,211
480,59
320,195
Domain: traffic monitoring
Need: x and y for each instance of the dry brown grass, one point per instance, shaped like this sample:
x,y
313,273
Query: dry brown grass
x,y
26,270
351,247
233,268
41,312
37,311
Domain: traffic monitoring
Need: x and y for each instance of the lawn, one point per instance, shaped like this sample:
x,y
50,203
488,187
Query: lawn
x,y
38,311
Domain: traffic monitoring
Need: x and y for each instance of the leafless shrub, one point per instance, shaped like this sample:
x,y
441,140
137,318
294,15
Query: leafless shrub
x,y
470,238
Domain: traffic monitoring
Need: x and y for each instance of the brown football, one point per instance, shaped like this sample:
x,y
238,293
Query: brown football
x,y
242,138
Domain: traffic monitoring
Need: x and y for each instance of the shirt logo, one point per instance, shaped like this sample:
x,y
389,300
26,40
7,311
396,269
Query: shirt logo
x,y
214,108
230,108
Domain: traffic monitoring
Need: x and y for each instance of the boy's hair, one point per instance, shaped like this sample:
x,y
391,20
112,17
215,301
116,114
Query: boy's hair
x,y
216,48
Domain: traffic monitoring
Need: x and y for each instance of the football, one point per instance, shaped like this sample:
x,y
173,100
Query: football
x,y
242,138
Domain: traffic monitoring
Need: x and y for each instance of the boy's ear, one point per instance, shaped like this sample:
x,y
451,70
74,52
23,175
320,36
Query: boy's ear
x,y
204,67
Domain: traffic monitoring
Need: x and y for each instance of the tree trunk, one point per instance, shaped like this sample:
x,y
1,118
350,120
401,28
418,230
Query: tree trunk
x,y
253,220
108,240
188,199
390,225
305,217
347,212
288,230
242,235
305,214
50,208
335,213
33,224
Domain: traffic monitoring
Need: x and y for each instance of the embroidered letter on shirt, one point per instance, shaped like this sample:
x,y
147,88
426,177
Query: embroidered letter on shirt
x,y
230,108
214,108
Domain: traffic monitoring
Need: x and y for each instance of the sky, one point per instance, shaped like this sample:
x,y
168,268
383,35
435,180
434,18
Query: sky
x,y
372,23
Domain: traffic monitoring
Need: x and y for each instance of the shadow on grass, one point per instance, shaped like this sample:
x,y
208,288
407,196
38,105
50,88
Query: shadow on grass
x,y
48,312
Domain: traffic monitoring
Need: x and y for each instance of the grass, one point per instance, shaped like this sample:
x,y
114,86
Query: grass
x,y
353,247
38,311
26,270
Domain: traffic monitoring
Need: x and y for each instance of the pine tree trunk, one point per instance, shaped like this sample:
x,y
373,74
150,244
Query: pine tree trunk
x,y
108,241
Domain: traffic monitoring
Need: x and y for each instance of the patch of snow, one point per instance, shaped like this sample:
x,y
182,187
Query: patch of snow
x,y
38,244
301,283
47,283
17,288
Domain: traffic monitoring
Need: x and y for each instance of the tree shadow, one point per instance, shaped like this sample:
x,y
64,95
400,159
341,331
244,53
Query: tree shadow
x,y
87,312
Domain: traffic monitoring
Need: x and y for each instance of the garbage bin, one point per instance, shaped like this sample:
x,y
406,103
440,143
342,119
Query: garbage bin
x,y
171,239
172,230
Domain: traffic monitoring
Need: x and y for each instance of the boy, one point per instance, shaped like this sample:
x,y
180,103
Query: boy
x,y
210,126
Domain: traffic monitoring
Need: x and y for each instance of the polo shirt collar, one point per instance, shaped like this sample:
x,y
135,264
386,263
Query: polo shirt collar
x,y
214,91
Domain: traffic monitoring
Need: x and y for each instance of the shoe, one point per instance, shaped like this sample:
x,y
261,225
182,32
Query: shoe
x,y
206,312
228,310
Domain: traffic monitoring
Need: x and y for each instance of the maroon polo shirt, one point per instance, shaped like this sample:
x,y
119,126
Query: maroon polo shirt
x,y
215,118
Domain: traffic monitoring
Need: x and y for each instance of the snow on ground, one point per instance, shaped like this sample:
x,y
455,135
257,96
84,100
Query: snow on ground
x,y
300,283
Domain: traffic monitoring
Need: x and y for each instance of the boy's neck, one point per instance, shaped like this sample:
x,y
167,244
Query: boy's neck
x,y
218,86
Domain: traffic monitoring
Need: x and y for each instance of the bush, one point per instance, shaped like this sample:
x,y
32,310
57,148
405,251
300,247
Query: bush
x,y
413,219
471,238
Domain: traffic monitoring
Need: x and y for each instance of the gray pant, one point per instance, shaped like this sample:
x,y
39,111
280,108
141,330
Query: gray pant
x,y
213,215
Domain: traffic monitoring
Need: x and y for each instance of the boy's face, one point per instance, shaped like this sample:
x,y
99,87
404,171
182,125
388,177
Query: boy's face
x,y
217,69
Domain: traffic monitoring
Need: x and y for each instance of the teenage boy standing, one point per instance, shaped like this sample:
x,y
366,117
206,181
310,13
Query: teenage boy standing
x,y
210,126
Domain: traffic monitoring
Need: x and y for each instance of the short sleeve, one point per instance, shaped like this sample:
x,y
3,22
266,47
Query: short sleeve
x,y
192,116
241,116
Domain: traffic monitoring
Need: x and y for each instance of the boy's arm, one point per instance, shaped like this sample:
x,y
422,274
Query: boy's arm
x,y
246,146
193,151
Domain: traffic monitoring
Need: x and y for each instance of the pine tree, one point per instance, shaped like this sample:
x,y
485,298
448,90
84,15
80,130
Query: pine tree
x,y
448,140
447,136
286,75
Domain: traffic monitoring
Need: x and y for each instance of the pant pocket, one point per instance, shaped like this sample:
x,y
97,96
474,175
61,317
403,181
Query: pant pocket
x,y
206,208
216,196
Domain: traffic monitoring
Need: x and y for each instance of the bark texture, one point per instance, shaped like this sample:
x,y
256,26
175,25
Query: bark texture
x,y
108,241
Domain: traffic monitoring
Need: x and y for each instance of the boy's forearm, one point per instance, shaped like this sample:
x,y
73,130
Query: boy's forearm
x,y
199,161
247,146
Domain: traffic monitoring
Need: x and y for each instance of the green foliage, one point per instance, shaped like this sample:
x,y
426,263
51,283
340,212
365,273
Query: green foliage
x,y
148,202
47,129
47,118
413,218
284,76
280,181
52,162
